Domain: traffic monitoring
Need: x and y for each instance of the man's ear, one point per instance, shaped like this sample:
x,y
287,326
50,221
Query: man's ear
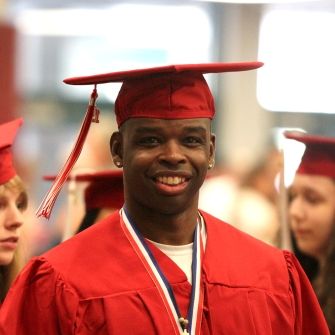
x,y
212,148
115,145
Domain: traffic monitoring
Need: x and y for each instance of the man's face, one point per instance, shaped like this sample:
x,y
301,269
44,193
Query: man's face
x,y
165,161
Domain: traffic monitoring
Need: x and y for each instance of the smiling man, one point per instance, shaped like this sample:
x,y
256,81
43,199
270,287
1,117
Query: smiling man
x,y
166,160
160,265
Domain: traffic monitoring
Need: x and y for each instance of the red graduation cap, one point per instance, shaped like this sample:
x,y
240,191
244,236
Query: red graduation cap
x,y
319,155
166,92
8,132
105,188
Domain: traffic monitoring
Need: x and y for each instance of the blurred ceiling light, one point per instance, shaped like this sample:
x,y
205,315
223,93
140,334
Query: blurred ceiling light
x,y
66,22
299,72
111,22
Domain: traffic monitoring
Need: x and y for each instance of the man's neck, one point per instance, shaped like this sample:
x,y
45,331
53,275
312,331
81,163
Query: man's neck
x,y
171,229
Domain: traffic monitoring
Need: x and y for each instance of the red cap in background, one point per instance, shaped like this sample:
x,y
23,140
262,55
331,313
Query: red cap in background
x,y
8,132
319,155
105,189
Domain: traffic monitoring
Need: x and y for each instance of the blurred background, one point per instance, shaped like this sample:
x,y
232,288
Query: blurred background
x,y
44,41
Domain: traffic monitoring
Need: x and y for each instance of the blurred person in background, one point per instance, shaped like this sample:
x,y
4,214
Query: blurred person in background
x,y
255,206
95,155
160,265
13,202
102,196
312,217
249,200
217,193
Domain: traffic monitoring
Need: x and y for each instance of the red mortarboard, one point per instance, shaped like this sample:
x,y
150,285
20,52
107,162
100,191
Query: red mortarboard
x,y
8,133
166,92
319,155
105,188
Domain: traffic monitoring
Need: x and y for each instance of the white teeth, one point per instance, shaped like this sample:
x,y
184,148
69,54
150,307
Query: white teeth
x,y
171,180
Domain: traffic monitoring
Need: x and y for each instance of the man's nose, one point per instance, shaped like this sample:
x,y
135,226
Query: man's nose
x,y
172,153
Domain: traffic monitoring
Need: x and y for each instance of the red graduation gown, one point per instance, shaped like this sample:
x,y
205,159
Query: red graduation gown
x,y
95,283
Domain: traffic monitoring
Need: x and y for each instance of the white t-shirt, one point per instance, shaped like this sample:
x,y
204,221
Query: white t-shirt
x,y
182,254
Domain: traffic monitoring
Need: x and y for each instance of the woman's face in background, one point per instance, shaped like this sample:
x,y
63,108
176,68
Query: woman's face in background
x,y
12,205
312,213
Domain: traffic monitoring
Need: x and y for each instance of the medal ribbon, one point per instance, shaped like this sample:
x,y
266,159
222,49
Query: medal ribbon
x,y
162,284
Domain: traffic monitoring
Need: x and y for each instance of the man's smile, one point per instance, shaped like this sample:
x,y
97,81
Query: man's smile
x,y
171,184
170,180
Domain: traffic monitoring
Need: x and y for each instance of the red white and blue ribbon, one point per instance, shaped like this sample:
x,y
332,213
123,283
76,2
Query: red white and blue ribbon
x,y
165,290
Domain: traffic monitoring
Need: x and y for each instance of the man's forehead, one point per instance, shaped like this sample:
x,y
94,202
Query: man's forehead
x,y
147,124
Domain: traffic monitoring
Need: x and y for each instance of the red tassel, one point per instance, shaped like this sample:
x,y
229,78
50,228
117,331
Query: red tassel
x,y
92,115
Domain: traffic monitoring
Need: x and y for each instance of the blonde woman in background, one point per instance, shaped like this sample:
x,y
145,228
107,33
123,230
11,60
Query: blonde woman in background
x,y
13,202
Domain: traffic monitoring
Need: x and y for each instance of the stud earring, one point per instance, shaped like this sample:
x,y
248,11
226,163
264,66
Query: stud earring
x,y
118,164
211,165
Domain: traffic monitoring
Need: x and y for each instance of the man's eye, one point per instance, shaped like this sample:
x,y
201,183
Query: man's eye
x,y
193,140
150,140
